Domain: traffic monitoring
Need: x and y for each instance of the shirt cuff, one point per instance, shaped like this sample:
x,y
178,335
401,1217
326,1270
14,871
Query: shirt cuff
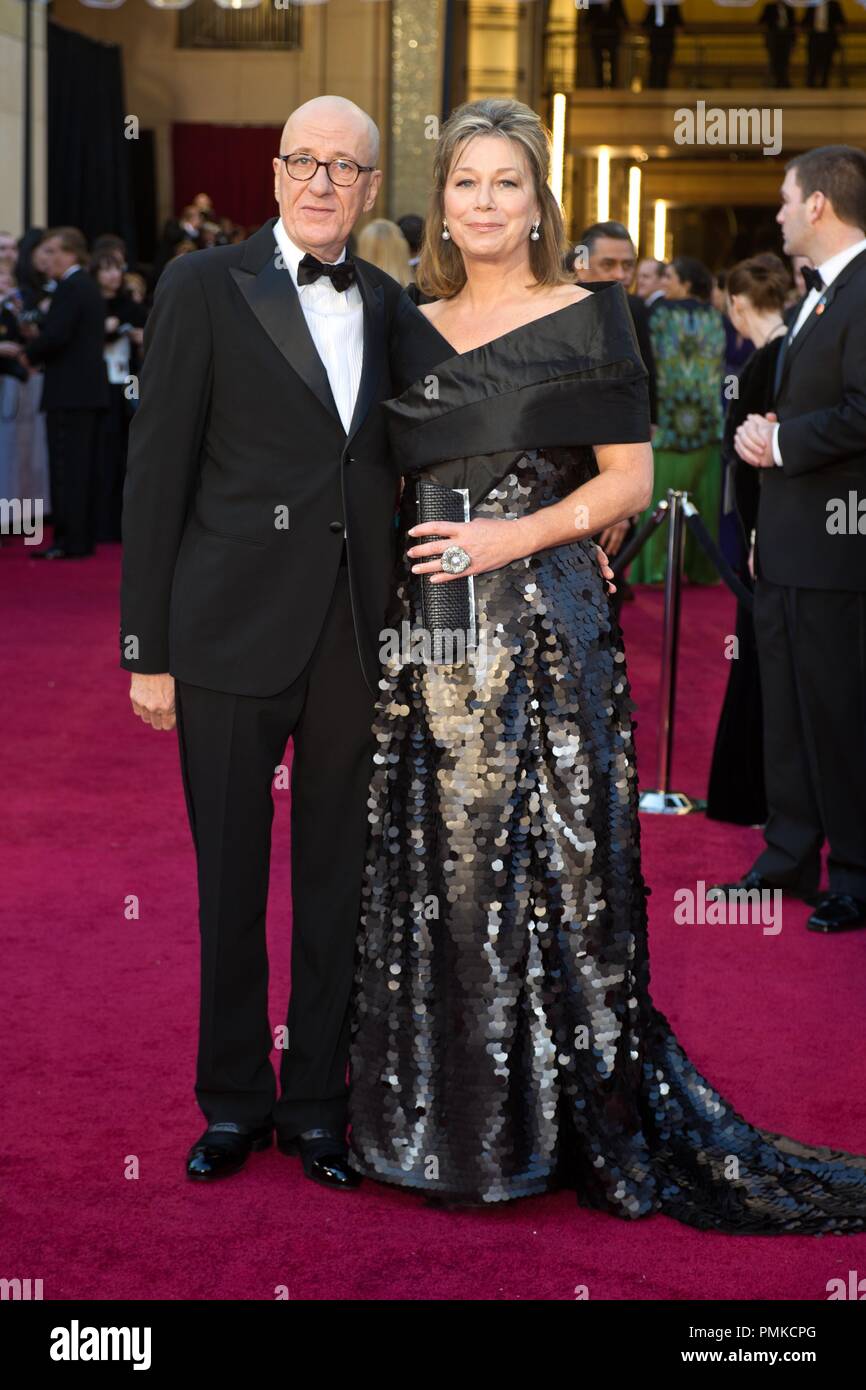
x,y
776,451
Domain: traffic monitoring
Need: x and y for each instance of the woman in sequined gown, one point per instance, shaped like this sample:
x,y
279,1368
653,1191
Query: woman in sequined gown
x,y
504,1038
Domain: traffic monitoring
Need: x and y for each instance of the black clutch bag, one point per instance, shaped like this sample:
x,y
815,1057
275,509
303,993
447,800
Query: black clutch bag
x,y
447,611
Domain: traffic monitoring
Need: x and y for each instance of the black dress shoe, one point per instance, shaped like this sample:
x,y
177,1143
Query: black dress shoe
x,y
325,1158
838,912
224,1148
753,880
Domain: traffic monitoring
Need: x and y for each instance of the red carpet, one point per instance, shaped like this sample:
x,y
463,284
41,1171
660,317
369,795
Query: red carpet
x,y
99,1018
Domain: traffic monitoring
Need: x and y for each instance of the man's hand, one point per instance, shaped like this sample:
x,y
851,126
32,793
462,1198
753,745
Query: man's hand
x,y
153,700
753,440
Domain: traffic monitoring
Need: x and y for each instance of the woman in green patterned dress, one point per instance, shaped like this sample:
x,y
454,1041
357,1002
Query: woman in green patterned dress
x,y
688,339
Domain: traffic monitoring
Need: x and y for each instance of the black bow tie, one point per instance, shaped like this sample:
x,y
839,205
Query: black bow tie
x,y
341,276
812,278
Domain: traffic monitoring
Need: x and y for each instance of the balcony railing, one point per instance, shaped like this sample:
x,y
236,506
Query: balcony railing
x,y
708,56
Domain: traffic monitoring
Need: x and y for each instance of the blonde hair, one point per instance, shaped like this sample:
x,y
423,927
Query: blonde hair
x,y
441,272
383,244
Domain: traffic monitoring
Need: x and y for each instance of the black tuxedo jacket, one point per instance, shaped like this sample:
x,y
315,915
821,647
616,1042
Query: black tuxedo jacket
x,y
770,20
821,403
236,427
606,21
671,16
835,18
71,344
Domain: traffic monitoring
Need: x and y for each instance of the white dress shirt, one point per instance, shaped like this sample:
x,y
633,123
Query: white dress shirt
x,y
829,270
335,319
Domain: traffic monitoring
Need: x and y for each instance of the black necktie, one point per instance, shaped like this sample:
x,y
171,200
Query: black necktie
x,y
812,278
341,276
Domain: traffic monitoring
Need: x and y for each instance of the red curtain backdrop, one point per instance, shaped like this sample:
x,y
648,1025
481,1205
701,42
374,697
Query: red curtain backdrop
x,y
231,163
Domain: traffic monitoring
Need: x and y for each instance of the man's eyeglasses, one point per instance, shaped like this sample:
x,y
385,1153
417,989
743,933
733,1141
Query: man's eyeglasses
x,y
343,172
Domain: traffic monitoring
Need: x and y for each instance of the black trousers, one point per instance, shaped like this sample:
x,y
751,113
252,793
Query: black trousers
x,y
71,436
661,46
230,746
812,656
779,45
820,59
112,437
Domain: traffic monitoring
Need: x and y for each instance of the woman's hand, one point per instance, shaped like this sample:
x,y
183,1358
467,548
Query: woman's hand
x,y
490,544
613,536
607,572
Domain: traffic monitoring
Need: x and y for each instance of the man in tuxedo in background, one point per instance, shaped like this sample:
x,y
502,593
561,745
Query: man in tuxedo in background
x,y
74,393
661,22
187,227
257,555
605,20
779,23
649,283
810,596
822,23
607,253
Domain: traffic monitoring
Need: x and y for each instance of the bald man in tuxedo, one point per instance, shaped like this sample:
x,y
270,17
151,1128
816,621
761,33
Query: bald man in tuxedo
x,y
257,555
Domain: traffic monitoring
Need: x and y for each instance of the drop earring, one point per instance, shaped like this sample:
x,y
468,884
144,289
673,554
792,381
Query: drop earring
x,y
446,235
535,235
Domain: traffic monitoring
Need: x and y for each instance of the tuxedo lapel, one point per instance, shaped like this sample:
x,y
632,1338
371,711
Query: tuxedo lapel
x,y
825,304
270,292
374,347
795,345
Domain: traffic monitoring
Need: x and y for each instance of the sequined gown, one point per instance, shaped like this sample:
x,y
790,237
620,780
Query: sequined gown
x,y
504,1040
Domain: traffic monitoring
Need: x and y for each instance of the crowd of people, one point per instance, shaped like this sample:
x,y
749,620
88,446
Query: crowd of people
x,y
607,24
72,320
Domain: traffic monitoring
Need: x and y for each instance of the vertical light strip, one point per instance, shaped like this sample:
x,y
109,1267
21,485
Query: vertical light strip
x,y
603,185
557,153
634,177
660,227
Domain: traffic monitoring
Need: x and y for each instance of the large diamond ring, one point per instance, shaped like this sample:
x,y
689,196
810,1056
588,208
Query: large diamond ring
x,y
455,560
